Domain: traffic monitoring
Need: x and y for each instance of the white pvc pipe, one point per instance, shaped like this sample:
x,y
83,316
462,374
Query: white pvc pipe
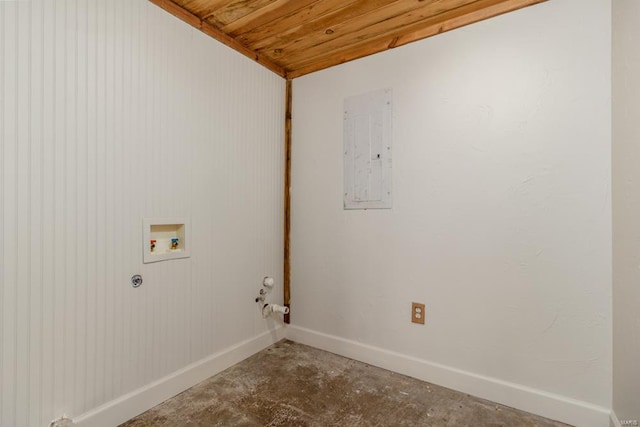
x,y
279,309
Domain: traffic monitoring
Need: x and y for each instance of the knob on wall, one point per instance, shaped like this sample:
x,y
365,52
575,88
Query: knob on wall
x,y
268,282
136,280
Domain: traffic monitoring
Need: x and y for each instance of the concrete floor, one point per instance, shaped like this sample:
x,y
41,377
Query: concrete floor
x,y
290,384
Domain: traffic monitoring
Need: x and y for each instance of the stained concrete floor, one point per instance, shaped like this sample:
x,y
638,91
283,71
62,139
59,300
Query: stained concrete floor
x,y
290,384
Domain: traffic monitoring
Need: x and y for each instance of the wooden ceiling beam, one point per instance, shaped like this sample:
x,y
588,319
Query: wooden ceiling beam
x,y
212,31
482,10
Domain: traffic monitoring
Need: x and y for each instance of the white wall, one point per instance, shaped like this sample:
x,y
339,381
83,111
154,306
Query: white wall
x,y
626,209
111,111
501,220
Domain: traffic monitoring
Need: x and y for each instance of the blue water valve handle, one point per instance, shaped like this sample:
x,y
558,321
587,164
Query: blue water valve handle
x,y
174,243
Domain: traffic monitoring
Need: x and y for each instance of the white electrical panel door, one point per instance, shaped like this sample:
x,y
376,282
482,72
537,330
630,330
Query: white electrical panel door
x,y
367,151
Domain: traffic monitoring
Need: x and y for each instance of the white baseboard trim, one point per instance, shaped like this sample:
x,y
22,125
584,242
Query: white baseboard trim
x,y
136,402
525,398
614,421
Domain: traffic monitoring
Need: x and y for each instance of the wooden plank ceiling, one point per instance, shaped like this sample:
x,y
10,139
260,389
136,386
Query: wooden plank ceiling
x,y
297,37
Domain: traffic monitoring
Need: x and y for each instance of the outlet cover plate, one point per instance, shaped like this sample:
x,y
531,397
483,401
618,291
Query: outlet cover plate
x,y
417,313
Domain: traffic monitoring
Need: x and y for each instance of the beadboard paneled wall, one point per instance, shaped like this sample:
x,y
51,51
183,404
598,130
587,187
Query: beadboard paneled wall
x,y
112,111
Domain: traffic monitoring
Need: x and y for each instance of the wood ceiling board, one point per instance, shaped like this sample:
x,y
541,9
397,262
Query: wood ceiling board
x,y
319,29
277,10
313,17
356,35
236,10
417,32
388,20
296,37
